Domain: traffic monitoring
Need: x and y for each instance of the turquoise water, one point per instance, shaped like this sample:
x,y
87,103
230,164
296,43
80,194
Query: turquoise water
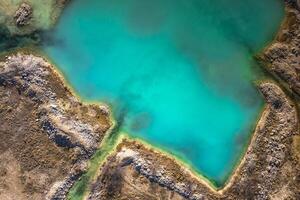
x,y
178,73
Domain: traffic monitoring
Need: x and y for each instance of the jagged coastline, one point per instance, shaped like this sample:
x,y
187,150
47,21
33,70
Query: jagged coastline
x,y
264,163
135,170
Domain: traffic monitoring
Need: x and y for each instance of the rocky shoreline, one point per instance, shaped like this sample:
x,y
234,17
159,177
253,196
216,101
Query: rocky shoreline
x,y
269,167
281,58
49,135
70,125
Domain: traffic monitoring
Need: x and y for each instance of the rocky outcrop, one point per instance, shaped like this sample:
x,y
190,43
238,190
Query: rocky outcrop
x,y
23,18
282,57
294,3
30,74
68,124
23,15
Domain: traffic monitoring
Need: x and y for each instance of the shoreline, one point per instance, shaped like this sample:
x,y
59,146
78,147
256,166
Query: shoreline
x,y
232,180
39,52
196,173
242,158
120,137
178,159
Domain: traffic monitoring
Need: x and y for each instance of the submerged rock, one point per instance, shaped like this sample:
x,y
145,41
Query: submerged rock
x,y
30,16
23,15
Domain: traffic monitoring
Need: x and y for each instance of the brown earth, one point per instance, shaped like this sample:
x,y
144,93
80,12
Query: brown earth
x,y
46,134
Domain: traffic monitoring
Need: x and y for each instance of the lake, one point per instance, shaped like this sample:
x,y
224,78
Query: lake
x,y
178,74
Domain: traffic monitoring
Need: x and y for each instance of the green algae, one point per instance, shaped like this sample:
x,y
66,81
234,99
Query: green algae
x,y
80,189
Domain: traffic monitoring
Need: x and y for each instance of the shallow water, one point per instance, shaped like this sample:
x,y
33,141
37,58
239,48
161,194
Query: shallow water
x,y
180,72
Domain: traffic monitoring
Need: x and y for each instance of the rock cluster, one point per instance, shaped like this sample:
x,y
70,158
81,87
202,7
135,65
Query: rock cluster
x,y
160,176
294,3
23,15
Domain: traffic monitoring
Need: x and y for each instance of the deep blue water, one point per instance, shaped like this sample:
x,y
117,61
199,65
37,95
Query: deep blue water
x,y
181,72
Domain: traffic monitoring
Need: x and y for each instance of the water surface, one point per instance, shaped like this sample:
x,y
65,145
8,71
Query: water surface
x,y
179,72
